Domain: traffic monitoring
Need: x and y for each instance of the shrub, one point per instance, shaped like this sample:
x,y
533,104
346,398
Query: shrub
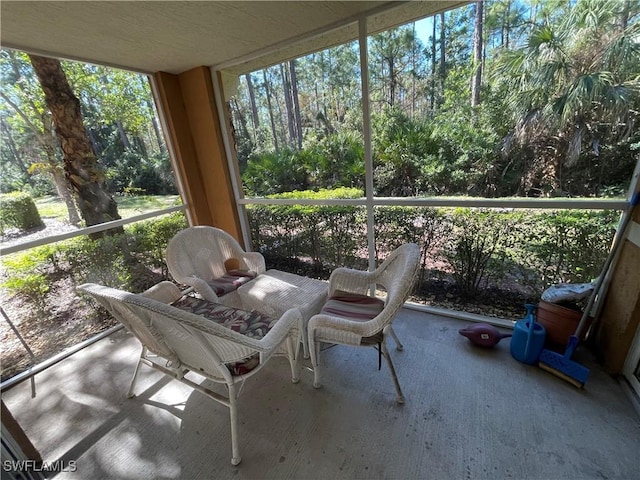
x,y
327,235
423,226
34,286
477,248
149,239
99,261
568,245
27,274
18,211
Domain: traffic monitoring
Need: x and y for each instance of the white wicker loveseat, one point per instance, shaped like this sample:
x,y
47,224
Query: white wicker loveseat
x,y
194,335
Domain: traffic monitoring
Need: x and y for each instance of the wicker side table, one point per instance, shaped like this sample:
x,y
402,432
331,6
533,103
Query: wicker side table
x,y
274,292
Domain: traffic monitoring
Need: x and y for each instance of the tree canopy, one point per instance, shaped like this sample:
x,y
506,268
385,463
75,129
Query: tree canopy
x,y
544,102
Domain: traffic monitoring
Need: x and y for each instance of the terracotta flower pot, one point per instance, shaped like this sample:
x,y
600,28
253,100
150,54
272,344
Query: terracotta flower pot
x,y
559,322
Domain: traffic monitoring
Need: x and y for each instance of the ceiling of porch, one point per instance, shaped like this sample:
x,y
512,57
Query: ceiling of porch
x,y
176,36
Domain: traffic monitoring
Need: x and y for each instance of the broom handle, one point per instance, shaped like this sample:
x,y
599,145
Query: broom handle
x,y
626,218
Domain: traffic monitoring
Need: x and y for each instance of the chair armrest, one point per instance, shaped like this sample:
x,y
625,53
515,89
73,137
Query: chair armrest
x,y
289,320
351,280
255,262
202,288
165,292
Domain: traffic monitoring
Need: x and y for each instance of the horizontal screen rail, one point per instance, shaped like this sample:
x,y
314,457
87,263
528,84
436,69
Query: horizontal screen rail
x,y
19,247
512,203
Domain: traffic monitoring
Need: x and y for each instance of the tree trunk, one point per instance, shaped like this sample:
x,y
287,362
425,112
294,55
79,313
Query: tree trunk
x,y
65,194
477,55
81,167
286,87
273,123
623,17
296,102
17,159
392,81
126,144
443,65
506,26
154,123
47,141
254,109
413,75
233,105
433,65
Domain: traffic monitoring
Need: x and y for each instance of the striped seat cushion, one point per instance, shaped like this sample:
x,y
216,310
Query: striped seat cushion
x,y
231,281
353,306
252,324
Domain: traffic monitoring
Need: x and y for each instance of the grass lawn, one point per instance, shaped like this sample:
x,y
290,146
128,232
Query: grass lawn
x,y
54,207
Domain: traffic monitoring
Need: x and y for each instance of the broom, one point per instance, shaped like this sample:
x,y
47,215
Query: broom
x,y
561,365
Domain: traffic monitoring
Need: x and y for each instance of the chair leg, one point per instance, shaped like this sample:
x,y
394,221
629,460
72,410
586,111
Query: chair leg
x,y
399,345
233,413
292,353
304,338
314,350
385,353
136,372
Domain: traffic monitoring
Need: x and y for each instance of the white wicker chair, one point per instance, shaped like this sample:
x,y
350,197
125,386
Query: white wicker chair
x,y
196,256
176,341
351,318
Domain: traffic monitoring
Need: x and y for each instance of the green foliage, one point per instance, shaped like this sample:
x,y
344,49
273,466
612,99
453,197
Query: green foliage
x,y
148,239
118,114
335,161
338,161
476,247
480,247
568,246
321,194
424,226
33,286
136,174
99,261
572,88
327,235
116,261
400,147
18,211
27,274
272,172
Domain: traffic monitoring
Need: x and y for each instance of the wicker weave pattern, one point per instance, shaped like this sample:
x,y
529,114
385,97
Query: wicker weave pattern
x,y
197,255
275,292
143,312
396,275
191,342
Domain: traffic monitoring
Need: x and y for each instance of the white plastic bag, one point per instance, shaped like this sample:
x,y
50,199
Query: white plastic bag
x,y
568,292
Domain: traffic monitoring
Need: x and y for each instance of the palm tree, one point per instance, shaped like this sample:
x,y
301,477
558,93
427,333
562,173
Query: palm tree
x,y
576,83
82,169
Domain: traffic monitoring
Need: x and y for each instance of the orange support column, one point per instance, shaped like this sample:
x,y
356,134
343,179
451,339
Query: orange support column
x,y
188,104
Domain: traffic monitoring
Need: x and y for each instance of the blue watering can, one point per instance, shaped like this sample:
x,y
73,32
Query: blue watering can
x,y
528,338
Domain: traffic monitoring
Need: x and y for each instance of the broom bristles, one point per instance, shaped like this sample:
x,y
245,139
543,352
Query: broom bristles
x,y
562,375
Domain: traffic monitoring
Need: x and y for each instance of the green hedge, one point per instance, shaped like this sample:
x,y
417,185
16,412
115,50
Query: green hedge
x,y
18,210
475,248
132,261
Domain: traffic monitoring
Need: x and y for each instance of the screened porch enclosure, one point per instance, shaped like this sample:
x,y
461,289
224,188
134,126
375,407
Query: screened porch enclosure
x,y
465,415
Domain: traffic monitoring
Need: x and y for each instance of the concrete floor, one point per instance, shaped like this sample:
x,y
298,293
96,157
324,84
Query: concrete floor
x,y
470,414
